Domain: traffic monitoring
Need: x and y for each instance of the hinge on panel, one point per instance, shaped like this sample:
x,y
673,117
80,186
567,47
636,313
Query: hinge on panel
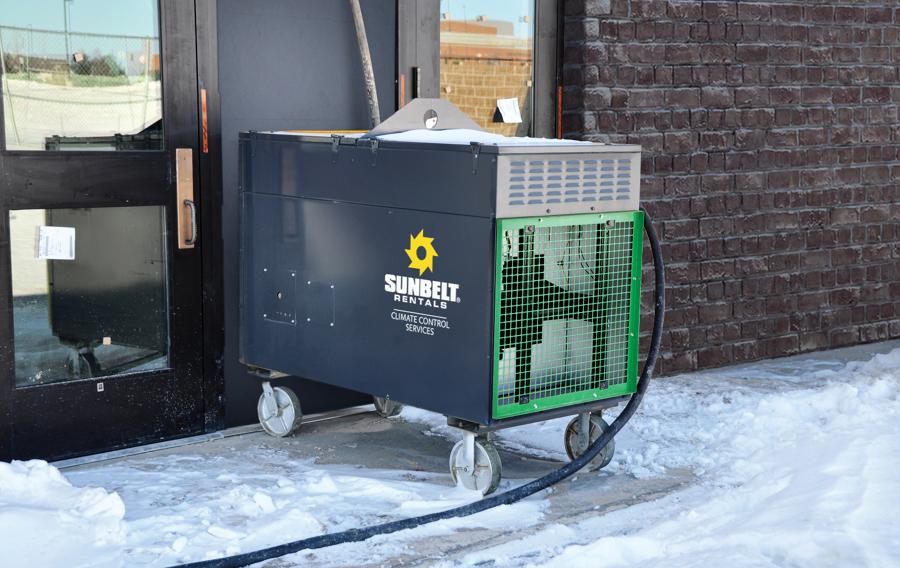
x,y
476,149
373,147
335,144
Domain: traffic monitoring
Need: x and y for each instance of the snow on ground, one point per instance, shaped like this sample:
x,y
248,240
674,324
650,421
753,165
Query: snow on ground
x,y
798,469
796,463
184,508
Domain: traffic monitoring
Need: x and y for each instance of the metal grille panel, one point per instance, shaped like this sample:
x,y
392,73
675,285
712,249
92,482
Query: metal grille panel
x,y
566,310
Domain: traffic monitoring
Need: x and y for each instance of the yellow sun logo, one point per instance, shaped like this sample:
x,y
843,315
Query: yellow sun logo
x,y
416,262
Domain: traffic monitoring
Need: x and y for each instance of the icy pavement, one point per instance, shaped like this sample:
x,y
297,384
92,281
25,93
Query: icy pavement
x,y
792,462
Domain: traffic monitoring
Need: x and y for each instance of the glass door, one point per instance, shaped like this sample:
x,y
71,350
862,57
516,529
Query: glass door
x,y
100,334
487,62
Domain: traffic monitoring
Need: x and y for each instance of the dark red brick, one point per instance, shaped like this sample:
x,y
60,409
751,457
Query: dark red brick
x,y
771,143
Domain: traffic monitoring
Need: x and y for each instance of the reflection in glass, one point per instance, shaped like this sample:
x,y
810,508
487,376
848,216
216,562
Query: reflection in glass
x,y
101,313
487,53
80,75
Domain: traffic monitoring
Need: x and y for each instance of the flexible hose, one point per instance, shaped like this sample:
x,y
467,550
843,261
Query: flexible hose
x,y
506,498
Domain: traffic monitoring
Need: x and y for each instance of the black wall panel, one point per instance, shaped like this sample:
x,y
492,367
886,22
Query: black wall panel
x,y
285,65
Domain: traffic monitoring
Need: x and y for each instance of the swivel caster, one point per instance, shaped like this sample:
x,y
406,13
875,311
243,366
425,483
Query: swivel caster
x,y
577,439
386,407
279,411
475,464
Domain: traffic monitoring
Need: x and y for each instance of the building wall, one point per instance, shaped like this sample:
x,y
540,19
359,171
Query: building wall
x,y
771,163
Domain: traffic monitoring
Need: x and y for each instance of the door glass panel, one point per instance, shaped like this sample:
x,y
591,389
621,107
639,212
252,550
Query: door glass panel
x,y
487,54
89,299
80,75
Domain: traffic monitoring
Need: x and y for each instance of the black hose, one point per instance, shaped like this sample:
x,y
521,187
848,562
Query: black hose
x,y
505,498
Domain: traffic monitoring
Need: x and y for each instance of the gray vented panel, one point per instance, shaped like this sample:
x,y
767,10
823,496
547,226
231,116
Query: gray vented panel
x,y
566,183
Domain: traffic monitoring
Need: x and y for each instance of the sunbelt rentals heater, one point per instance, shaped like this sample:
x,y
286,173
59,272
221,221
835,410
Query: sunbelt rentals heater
x,y
493,280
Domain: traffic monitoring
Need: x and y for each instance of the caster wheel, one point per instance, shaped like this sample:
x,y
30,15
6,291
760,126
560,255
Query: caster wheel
x,y
598,426
387,407
486,475
279,413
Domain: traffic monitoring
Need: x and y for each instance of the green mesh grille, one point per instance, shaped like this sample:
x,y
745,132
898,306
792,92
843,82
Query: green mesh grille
x,y
566,310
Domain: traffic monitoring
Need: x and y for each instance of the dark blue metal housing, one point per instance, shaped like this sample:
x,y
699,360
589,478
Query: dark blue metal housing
x,y
325,228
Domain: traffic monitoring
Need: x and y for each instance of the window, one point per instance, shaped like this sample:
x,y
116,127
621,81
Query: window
x,y
86,305
487,54
80,75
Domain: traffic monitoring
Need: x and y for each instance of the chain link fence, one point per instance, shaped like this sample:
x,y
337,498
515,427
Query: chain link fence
x,y
62,89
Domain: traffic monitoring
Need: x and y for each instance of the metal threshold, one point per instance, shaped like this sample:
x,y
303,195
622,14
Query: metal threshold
x,y
199,439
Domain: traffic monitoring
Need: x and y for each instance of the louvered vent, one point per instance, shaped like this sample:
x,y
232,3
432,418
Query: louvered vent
x,y
530,185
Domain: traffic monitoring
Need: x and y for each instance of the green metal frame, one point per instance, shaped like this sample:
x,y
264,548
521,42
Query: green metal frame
x,y
618,387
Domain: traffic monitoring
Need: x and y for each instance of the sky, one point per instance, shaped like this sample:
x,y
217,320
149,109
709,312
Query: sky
x,y
136,18
507,10
125,17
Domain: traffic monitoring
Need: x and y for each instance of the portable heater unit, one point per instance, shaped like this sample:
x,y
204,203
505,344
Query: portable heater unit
x,y
493,280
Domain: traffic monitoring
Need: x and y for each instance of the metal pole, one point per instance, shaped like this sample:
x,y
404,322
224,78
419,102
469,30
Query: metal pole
x,y
366,57
30,49
66,35
10,112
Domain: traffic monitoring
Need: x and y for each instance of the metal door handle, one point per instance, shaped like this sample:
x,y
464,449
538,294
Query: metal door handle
x,y
186,208
193,238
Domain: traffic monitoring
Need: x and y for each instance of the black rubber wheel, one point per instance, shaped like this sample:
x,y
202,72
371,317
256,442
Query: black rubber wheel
x,y
598,426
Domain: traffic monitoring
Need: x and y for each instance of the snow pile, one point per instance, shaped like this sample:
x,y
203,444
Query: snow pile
x,y
802,477
466,136
721,432
795,469
45,521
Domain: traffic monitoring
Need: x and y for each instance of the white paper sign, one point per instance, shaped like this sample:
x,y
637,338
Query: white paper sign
x,y
509,110
56,243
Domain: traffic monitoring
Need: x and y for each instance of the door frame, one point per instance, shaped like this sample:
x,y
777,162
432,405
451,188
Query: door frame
x,y
419,59
210,191
33,181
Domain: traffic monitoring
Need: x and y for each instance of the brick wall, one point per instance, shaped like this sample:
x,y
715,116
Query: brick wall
x,y
771,162
474,85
